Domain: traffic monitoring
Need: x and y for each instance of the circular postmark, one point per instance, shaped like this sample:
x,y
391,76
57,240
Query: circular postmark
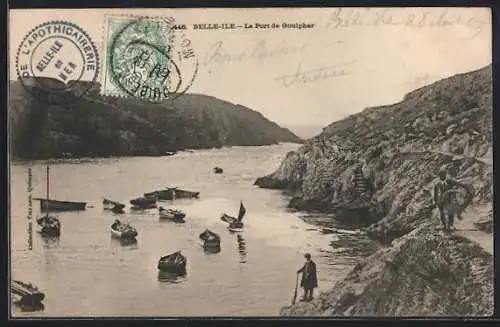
x,y
57,62
148,58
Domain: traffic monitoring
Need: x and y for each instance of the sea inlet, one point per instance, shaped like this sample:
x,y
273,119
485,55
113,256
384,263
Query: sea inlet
x,y
85,272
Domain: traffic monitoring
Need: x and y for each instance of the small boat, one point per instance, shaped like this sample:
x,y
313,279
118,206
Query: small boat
x,y
174,263
26,294
218,170
109,204
210,239
172,193
123,231
118,209
143,203
171,214
55,205
146,207
49,225
170,153
235,224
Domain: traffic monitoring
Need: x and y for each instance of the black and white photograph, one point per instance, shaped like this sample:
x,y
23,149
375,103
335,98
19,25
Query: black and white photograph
x,y
251,162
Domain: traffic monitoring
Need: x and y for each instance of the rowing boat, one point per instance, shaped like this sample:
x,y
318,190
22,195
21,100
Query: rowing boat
x,y
172,193
26,293
235,224
109,204
171,214
174,263
210,239
123,231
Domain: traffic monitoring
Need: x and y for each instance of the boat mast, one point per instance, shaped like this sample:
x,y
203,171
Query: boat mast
x,y
47,191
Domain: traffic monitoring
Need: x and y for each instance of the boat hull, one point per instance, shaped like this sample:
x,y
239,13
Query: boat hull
x,y
25,295
49,226
143,203
168,215
227,218
50,231
110,205
123,235
164,266
172,194
144,207
213,244
55,205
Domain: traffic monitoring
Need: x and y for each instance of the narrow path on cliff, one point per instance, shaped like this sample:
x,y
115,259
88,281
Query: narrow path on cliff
x,y
486,160
467,229
466,226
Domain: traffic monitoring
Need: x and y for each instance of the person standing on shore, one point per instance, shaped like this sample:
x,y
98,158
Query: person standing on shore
x,y
445,199
309,279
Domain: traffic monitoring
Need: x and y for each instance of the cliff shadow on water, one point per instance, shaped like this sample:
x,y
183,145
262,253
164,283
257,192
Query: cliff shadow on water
x,y
379,168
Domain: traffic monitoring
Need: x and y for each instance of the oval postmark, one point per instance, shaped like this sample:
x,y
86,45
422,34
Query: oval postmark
x,y
149,59
57,62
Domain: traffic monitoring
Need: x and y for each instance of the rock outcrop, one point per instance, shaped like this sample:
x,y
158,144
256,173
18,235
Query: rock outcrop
x,y
400,148
380,166
422,274
96,126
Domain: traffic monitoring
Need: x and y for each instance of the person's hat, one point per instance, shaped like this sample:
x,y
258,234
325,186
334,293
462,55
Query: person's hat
x,y
307,256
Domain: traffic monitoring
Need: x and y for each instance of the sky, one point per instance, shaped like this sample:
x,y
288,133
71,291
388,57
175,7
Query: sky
x,y
351,59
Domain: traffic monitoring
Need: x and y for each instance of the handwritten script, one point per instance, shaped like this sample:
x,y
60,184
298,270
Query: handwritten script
x,y
436,18
261,50
301,77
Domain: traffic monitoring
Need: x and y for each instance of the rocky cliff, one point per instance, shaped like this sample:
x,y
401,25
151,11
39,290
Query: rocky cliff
x,y
421,274
379,167
399,149
95,125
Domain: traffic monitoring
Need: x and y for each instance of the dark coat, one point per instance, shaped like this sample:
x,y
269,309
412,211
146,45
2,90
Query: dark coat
x,y
309,277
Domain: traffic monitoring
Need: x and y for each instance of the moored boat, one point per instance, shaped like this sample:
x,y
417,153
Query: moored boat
x,y
172,193
56,205
174,263
123,231
235,224
26,294
118,209
49,225
143,202
171,214
109,204
210,239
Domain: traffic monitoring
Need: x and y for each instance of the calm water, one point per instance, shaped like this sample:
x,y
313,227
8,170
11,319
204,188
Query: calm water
x,y
87,272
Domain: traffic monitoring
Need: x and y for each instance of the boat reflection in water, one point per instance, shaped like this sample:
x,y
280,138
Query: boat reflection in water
x,y
124,242
169,277
128,242
211,250
242,248
50,241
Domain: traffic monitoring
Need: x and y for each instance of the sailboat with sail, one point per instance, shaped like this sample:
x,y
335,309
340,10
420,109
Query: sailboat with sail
x,y
235,224
49,225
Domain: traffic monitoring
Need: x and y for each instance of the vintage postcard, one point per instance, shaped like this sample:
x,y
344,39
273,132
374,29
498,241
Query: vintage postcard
x,y
251,162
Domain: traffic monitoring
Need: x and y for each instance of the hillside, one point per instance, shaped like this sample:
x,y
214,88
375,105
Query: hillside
x,y
379,167
95,126
399,148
